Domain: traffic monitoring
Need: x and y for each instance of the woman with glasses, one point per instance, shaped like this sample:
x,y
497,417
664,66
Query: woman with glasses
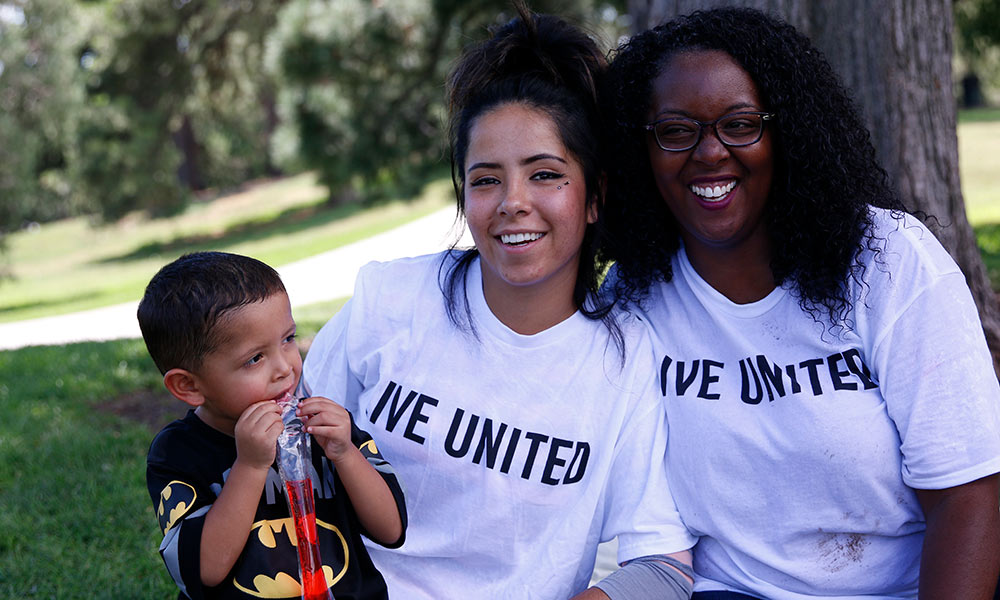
x,y
833,413
513,403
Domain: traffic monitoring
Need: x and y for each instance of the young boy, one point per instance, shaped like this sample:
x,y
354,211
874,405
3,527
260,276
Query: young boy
x,y
219,327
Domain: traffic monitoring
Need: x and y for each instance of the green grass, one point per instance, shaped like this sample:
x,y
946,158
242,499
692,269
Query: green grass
x,y
78,419
75,518
978,149
976,115
73,497
70,265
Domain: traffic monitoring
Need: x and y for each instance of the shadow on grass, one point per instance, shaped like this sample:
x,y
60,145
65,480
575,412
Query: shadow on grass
x,y
289,222
152,408
78,298
988,238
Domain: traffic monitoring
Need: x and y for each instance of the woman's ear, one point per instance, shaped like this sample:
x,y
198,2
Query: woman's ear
x,y
183,385
594,206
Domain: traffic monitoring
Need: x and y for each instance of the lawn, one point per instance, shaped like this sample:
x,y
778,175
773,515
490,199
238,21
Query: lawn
x,y
978,149
71,265
76,520
78,419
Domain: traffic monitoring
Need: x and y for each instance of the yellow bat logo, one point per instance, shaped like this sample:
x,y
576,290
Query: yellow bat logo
x,y
176,500
276,573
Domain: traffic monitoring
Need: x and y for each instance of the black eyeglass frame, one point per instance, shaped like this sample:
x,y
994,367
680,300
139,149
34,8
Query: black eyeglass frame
x,y
764,117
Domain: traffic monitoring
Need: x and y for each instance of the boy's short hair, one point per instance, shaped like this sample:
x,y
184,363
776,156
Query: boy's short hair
x,y
184,301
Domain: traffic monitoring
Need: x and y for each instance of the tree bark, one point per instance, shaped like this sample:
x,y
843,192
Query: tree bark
x,y
895,58
189,172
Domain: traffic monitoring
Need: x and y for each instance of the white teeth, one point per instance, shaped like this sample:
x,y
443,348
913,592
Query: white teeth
x,y
519,238
713,193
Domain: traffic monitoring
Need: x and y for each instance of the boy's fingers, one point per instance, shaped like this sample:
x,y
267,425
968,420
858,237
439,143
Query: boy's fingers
x,y
327,418
315,402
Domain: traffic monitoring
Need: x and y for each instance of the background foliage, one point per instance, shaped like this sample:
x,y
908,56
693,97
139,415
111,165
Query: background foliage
x,y
977,51
111,106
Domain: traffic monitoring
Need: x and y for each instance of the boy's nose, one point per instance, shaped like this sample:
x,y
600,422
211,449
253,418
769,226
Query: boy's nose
x,y
284,368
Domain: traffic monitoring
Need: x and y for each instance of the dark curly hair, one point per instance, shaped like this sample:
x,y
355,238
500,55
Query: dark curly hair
x,y
546,63
825,171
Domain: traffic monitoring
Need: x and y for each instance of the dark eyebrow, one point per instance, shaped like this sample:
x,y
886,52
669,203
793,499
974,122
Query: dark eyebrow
x,y
483,165
542,156
526,161
731,109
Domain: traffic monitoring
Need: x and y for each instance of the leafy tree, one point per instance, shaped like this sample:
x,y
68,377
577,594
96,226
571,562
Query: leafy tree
x,y
362,84
977,44
178,102
978,23
118,105
40,94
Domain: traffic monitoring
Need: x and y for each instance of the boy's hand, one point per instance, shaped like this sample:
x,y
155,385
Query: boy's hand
x,y
330,424
257,432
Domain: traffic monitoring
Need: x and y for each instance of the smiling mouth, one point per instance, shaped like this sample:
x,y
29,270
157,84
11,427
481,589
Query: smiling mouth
x,y
712,193
519,239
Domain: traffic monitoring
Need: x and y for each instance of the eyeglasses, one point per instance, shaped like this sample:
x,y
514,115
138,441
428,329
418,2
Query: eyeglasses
x,y
677,134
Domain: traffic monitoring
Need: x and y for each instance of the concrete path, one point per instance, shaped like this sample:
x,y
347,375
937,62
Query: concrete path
x,y
327,276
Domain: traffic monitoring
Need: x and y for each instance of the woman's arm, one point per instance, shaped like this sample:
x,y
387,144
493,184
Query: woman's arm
x,y
660,577
961,553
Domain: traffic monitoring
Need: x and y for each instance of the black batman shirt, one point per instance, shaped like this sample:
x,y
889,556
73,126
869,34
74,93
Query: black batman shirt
x,y
186,467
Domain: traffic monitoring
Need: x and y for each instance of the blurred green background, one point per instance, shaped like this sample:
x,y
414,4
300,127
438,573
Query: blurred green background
x,y
135,130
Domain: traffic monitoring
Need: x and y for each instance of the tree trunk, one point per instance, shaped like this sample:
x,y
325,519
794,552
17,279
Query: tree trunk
x,y
269,101
189,172
895,57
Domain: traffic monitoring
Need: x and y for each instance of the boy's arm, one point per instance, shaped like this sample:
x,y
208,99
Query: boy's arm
x,y
371,498
375,496
228,522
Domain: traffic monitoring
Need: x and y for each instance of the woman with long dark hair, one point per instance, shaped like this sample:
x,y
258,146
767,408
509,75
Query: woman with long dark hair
x,y
512,401
834,416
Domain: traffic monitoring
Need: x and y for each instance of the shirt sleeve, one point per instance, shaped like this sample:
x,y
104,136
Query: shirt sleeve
x,y
180,505
639,509
327,369
370,451
937,378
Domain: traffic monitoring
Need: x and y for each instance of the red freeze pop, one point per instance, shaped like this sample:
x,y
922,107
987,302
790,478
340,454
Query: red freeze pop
x,y
294,459
300,499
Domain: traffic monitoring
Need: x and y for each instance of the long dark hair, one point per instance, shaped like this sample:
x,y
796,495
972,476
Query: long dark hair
x,y
546,63
826,174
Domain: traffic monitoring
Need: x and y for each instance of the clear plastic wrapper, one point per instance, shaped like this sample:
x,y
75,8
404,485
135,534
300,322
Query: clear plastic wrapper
x,y
295,465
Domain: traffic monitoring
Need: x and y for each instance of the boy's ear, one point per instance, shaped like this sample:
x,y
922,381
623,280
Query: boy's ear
x,y
182,384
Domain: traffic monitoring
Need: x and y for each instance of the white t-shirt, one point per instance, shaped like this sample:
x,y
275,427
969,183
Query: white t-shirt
x,y
517,454
793,448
